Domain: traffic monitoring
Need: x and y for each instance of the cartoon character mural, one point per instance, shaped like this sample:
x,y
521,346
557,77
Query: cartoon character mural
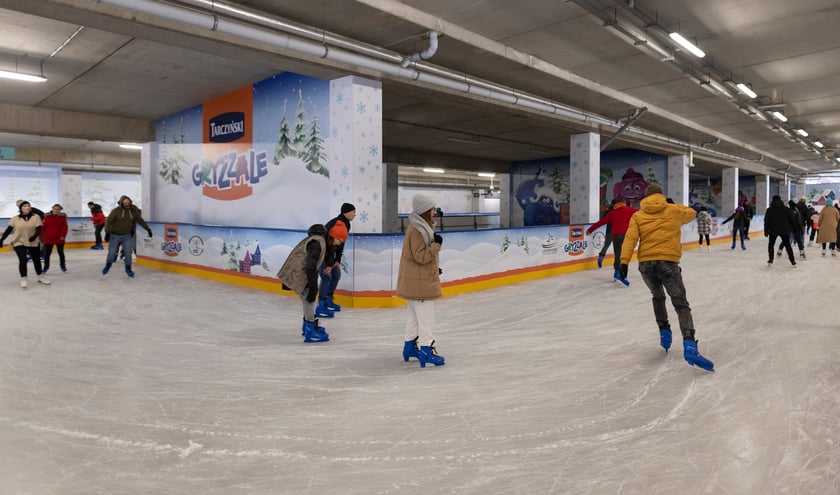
x,y
537,201
631,188
605,177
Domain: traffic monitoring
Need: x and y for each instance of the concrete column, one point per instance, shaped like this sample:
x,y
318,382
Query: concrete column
x,y
729,191
150,150
678,179
504,200
390,198
762,194
584,177
356,173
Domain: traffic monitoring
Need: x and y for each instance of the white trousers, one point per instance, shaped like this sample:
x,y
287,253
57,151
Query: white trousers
x,y
421,321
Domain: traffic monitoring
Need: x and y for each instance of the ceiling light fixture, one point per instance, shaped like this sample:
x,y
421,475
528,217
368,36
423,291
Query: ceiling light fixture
x,y
131,146
486,174
19,76
434,170
691,47
802,132
818,144
743,88
779,116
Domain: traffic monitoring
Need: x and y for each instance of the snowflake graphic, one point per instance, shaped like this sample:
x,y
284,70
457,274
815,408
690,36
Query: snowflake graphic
x,y
339,98
377,108
345,171
362,170
374,150
360,107
375,196
334,132
363,216
335,192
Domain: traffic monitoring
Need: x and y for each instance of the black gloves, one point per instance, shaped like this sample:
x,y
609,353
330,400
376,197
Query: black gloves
x,y
150,233
32,239
439,239
312,294
766,234
622,270
107,237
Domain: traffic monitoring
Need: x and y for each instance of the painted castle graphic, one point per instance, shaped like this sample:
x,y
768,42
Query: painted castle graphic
x,y
250,260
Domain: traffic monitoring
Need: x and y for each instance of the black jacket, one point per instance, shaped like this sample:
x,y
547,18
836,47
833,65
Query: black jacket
x,y
335,255
779,219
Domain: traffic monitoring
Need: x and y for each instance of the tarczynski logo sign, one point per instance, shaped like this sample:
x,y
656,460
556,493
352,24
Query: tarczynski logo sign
x,y
227,127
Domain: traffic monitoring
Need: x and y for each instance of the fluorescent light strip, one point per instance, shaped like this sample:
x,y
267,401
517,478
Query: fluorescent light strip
x,y
802,132
818,144
746,90
779,116
691,47
486,174
434,170
22,77
131,146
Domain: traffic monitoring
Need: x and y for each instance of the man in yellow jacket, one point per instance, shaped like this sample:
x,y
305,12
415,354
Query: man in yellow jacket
x,y
656,228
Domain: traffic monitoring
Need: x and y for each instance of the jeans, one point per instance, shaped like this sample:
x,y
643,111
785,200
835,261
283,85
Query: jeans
x,y
666,276
741,231
328,282
117,241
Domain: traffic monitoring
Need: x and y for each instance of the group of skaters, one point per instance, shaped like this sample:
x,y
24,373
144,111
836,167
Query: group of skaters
x,y
33,235
418,280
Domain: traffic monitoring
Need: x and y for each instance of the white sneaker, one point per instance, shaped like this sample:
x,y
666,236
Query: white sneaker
x,y
42,279
23,283
823,252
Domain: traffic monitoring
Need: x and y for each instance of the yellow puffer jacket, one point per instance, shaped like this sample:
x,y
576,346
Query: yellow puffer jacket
x,y
656,227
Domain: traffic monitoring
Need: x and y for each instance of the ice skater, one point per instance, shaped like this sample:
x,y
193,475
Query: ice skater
x,y
25,229
704,227
418,282
119,228
656,227
607,236
98,220
53,233
617,219
779,221
828,222
299,274
740,221
330,271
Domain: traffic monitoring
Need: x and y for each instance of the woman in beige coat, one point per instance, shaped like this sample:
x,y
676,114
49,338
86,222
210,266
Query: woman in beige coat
x,y
829,218
25,229
418,281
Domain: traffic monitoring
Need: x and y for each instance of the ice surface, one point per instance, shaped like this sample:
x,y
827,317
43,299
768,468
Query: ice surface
x,y
169,384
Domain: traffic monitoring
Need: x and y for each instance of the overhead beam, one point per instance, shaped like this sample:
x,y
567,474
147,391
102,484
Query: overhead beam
x,y
21,119
420,158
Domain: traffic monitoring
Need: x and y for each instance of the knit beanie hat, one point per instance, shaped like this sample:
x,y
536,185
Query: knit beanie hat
x,y
421,204
347,208
339,231
653,189
22,203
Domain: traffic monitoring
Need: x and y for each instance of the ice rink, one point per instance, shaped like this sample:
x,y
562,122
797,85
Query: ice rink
x,y
169,384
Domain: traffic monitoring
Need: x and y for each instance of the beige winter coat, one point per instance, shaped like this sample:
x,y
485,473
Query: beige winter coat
x,y
828,224
23,230
293,272
418,277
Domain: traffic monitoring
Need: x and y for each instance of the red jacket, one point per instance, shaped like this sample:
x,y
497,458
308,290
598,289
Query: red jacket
x,y
54,228
618,218
98,218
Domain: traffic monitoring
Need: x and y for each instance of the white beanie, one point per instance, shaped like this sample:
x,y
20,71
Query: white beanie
x,y
421,204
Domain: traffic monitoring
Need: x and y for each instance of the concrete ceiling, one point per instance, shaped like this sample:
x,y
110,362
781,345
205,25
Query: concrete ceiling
x,y
124,69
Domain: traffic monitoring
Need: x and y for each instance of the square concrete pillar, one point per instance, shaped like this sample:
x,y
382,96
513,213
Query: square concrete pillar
x,y
729,191
762,194
356,172
678,179
584,177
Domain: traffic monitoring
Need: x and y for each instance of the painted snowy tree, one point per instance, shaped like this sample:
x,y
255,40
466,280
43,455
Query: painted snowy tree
x,y
560,185
172,157
231,250
651,173
523,243
299,139
505,244
284,143
315,154
34,195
